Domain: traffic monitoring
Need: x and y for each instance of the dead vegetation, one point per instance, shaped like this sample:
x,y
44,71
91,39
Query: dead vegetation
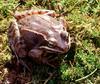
x,y
83,17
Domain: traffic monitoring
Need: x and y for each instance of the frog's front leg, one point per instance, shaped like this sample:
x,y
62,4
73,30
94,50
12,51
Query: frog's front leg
x,y
39,56
36,54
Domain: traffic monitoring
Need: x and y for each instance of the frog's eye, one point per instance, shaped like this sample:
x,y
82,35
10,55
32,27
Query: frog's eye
x,y
50,45
64,35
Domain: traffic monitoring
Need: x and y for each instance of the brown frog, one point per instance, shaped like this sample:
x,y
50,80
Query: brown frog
x,y
37,34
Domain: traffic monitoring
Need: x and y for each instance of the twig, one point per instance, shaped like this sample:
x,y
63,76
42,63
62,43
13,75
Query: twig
x,y
86,76
46,81
66,12
4,50
25,65
15,8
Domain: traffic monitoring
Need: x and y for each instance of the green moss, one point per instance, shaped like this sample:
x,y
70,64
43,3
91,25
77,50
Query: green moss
x,y
84,26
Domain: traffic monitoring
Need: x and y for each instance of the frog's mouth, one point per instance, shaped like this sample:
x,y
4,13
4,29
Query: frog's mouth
x,y
48,49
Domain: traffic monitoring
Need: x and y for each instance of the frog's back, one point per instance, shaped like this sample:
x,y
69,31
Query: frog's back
x,y
41,23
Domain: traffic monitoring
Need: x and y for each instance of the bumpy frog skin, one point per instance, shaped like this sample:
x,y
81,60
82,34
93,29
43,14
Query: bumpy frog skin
x,y
37,33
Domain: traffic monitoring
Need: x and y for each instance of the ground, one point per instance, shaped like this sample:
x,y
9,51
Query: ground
x,y
83,18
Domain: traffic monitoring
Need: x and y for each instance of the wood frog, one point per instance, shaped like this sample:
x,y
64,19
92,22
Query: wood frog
x,y
37,34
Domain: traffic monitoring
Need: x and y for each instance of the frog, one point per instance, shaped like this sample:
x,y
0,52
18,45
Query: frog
x,y
39,35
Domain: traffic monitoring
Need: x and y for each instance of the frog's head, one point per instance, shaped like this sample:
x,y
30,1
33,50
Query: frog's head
x,y
61,44
58,38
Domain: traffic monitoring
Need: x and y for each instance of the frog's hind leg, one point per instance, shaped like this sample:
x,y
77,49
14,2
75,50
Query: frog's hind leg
x,y
13,33
16,44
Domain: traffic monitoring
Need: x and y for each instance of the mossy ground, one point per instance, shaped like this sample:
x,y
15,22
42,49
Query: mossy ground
x,y
83,17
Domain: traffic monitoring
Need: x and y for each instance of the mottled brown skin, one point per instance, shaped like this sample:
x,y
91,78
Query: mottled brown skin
x,y
36,33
